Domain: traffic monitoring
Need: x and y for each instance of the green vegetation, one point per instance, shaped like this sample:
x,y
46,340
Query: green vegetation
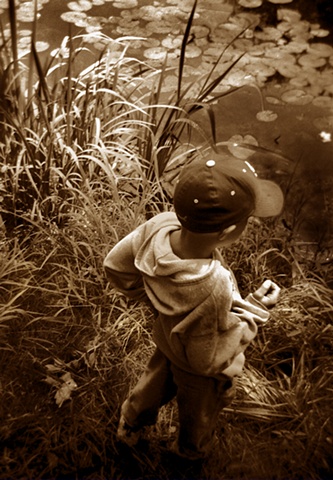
x,y
85,157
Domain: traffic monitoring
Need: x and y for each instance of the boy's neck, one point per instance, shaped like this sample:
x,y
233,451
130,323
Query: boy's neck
x,y
188,245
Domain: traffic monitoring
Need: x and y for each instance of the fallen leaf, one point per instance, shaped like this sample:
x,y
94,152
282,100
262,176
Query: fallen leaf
x,y
51,381
53,368
65,389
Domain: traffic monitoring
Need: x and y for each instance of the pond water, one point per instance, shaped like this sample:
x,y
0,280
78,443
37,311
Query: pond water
x,y
287,53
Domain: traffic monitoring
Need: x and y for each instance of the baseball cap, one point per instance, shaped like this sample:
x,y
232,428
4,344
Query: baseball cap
x,y
216,191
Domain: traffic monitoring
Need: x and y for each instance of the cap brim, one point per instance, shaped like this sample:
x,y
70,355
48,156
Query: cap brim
x,y
269,199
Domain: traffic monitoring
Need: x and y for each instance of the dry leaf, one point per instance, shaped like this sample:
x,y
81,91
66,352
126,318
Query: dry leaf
x,y
65,389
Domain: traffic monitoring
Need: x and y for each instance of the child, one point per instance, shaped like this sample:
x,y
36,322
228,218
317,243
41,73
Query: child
x,y
203,325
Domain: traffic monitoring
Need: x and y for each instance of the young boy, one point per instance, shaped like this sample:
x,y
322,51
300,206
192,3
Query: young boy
x,y
203,325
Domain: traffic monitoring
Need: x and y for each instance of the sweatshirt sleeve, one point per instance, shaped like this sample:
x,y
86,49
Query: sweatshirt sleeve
x,y
120,268
225,325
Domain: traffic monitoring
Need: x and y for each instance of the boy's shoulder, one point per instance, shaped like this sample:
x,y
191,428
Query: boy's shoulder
x,y
162,219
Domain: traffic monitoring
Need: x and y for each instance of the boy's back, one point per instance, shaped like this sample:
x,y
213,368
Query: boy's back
x,y
202,325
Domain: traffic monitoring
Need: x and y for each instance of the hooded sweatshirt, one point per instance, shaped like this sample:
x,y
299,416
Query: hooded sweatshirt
x,y
203,325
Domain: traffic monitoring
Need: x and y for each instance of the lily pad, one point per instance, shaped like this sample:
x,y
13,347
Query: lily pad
x,y
170,83
269,34
25,13
266,116
200,31
288,70
250,3
300,81
329,89
288,15
155,53
296,97
311,60
280,2
125,4
237,150
261,48
324,123
260,68
278,53
171,42
72,17
42,46
320,32
192,51
80,5
151,42
239,78
296,46
273,100
161,27
245,20
321,49
300,29
323,101
149,13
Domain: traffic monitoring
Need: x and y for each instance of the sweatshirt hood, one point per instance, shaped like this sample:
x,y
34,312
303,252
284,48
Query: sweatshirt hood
x,y
165,274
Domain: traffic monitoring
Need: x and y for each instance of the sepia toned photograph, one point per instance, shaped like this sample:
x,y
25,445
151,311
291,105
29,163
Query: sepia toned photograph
x,y
166,240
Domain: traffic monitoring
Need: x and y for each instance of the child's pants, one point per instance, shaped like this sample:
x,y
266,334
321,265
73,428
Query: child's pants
x,y
199,399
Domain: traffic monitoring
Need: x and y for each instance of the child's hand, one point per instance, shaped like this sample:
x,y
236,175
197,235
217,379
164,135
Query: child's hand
x,y
268,293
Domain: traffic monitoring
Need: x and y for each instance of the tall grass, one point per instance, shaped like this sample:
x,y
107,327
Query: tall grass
x,y
65,130
85,157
